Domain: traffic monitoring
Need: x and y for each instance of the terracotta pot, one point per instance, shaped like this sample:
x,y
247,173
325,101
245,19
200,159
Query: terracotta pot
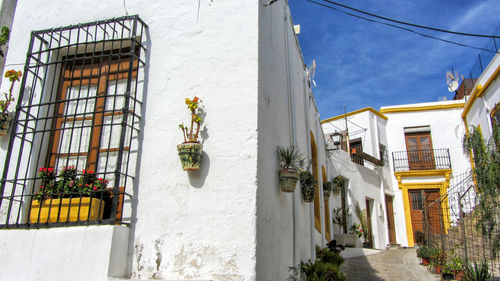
x,y
288,179
425,261
308,192
190,155
438,269
459,275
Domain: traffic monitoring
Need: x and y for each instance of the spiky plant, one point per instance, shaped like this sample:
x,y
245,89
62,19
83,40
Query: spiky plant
x,y
477,272
290,157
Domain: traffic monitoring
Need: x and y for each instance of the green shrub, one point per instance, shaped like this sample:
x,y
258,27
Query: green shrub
x,y
326,267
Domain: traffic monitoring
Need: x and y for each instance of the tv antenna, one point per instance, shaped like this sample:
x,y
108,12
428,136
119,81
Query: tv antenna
x,y
452,80
311,70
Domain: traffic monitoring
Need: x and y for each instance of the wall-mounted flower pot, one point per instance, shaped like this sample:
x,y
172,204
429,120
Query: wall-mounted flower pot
x,y
308,192
288,179
5,122
66,209
327,189
190,155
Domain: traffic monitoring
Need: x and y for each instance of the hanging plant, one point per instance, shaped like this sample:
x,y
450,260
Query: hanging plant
x,y
327,189
6,116
308,185
191,150
290,160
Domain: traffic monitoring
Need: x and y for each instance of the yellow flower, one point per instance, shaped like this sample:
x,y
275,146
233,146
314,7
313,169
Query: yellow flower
x,y
188,100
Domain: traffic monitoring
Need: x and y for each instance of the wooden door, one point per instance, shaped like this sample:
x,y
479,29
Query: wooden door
x,y
432,219
419,149
390,219
369,220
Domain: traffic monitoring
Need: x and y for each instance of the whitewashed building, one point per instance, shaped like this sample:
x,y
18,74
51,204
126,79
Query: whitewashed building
x,y
419,147
103,89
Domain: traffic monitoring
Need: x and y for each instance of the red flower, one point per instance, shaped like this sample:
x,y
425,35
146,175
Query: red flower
x,y
41,186
95,187
195,99
50,170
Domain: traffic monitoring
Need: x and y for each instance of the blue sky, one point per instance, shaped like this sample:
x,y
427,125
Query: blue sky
x,y
360,63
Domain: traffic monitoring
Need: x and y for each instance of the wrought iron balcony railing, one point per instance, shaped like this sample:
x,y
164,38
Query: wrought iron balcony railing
x,y
421,159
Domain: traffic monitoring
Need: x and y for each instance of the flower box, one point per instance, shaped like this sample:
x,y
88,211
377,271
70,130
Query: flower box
x,y
66,210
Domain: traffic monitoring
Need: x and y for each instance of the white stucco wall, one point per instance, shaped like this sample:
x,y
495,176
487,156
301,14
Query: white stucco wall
x,y
59,254
7,9
479,113
198,225
447,131
446,127
363,183
287,115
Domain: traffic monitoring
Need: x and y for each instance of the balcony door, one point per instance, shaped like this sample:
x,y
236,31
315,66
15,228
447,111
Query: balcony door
x,y
419,149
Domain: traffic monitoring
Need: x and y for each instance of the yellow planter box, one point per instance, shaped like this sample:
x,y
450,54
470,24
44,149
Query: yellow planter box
x,y
66,209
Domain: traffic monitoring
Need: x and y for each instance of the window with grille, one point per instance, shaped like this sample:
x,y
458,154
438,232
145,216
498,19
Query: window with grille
x,y
79,110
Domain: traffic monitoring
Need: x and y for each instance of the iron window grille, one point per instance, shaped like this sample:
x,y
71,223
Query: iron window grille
x,y
80,105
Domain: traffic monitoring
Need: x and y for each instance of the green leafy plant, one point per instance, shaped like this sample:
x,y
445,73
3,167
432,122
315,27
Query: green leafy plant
x,y
4,38
424,252
486,157
68,183
326,266
356,229
340,217
188,132
290,157
454,265
339,181
307,178
477,272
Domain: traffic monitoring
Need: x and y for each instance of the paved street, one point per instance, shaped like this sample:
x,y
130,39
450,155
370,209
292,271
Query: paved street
x,y
400,264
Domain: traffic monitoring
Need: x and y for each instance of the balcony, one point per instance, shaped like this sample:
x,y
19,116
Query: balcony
x,y
425,159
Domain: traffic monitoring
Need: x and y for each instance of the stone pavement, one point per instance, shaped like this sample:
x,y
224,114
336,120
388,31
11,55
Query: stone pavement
x,y
394,264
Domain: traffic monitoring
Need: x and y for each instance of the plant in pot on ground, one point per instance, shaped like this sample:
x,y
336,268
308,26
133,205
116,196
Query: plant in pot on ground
x,y
340,217
6,100
191,150
326,267
290,161
424,252
69,196
477,271
453,268
308,185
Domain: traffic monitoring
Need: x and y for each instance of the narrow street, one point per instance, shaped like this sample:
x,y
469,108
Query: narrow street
x,y
400,264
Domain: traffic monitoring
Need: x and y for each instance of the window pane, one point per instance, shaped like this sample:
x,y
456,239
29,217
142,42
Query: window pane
x,y
107,166
81,99
75,136
80,162
116,92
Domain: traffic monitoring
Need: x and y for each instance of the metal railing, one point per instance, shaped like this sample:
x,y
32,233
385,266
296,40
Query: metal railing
x,y
451,224
72,148
421,159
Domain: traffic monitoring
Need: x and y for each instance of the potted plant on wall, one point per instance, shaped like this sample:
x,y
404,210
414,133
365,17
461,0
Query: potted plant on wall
x,y
327,189
308,185
191,150
5,115
338,184
290,161
68,196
